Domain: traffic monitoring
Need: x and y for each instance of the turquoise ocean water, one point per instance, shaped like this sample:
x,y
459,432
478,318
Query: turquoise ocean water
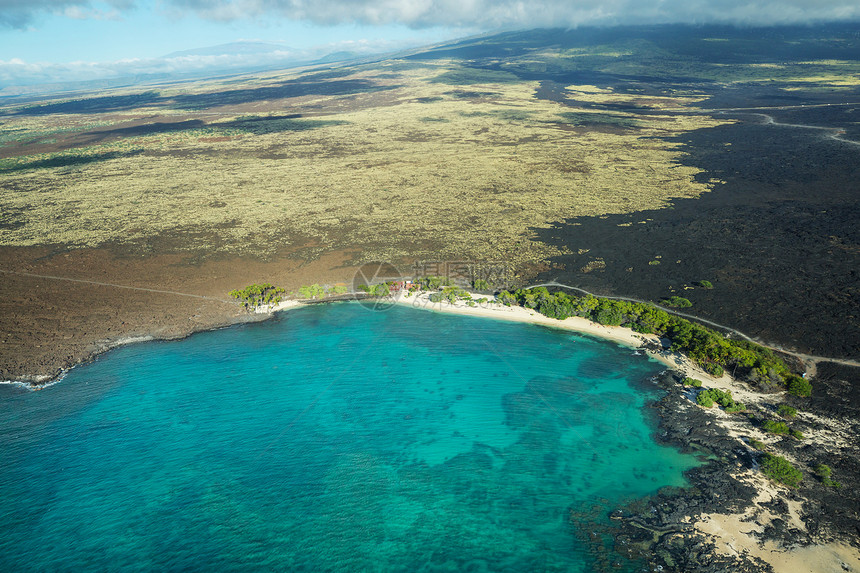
x,y
331,438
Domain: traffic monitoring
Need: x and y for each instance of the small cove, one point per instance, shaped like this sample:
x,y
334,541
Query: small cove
x,y
331,438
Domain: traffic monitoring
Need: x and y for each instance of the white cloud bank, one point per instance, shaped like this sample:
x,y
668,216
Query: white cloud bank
x,y
16,72
492,14
485,14
20,13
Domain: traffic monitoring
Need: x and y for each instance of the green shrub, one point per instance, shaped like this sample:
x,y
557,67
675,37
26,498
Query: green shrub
x,y
780,428
312,291
506,298
257,294
481,284
758,444
692,382
452,294
713,369
707,348
379,290
799,386
780,470
823,471
786,411
708,397
705,284
338,289
677,302
431,283
796,434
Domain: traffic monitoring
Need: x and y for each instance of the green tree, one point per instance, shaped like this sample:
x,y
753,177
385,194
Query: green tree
x,y
311,291
780,469
704,399
799,386
506,298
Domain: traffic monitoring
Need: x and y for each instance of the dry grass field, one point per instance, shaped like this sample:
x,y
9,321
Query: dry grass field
x,y
412,166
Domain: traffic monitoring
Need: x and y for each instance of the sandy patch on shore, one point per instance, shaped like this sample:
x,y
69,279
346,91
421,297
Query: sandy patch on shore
x,y
737,534
621,335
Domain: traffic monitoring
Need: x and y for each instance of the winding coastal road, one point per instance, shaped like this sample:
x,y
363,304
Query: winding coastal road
x,y
834,133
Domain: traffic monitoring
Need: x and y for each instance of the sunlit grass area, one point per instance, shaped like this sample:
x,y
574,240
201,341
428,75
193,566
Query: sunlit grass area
x,y
418,165
436,155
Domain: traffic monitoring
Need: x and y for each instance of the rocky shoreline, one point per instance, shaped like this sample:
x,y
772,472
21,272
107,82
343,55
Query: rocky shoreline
x,y
665,530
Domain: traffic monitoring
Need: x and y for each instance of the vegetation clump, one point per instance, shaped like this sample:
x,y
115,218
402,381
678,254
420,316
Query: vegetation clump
x,y
707,398
311,291
450,293
379,290
786,411
799,386
677,302
692,382
780,470
706,284
758,444
709,349
258,294
434,283
823,471
779,428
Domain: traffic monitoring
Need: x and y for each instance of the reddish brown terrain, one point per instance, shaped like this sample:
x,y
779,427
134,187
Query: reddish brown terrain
x,y
49,324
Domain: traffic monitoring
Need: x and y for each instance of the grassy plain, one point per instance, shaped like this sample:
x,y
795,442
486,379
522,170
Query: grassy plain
x,y
417,164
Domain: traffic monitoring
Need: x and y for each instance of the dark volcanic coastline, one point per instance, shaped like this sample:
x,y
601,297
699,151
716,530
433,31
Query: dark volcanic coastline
x,y
660,530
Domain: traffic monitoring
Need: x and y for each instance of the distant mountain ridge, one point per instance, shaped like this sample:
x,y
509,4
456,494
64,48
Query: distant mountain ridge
x,y
235,49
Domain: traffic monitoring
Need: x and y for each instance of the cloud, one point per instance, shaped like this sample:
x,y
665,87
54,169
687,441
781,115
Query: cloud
x,y
20,13
15,72
481,14
491,14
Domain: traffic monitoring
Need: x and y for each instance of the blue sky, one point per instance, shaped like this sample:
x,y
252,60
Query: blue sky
x,y
100,33
45,41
